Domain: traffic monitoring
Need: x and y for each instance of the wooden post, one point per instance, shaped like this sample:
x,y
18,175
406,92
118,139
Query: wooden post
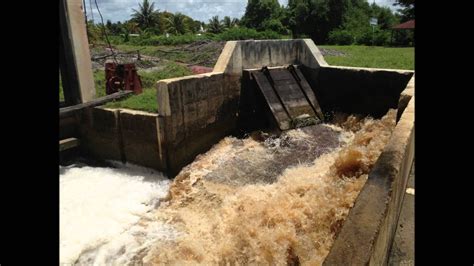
x,y
75,58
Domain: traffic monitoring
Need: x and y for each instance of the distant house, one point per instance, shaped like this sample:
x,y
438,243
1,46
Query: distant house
x,y
405,26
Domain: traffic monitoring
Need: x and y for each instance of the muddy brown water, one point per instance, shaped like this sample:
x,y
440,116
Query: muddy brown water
x,y
250,168
270,201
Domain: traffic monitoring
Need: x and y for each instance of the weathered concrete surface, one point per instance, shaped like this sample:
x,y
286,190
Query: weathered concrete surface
x,y
403,247
310,56
406,96
357,90
123,135
239,55
141,138
197,112
68,127
99,133
229,60
76,27
368,231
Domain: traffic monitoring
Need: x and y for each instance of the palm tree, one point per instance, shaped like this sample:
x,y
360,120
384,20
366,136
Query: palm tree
x,y
227,22
235,22
131,27
146,16
176,24
215,25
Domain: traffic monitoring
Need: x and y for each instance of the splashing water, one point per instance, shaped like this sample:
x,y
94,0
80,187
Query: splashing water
x,y
104,213
280,201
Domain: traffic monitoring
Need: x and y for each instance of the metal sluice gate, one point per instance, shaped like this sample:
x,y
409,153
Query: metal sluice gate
x,y
288,96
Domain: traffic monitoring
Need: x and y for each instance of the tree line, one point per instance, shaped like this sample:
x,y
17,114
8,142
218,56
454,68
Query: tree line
x,y
324,21
327,21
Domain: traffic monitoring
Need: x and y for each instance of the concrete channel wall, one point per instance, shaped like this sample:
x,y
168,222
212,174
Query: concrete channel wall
x,y
367,91
367,233
239,55
122,135
197,112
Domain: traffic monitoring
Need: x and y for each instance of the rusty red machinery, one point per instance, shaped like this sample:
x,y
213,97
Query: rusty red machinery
x,y
122,77
200,69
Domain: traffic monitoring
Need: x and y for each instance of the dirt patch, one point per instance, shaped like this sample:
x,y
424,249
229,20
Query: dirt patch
x,y
203,54
100,56
331,52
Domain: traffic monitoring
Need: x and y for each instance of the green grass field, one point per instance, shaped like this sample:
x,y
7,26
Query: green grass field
x,y
376,57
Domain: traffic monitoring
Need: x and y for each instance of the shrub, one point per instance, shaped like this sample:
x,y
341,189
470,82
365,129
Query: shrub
x,y
379,38
242,33
341,37
238,33
171,40
382,38
403,38
274,25
268,35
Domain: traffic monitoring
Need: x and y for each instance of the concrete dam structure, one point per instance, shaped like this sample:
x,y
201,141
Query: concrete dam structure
x,y
272,86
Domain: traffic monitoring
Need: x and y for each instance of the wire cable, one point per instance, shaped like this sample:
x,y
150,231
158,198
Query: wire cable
x,y
104,32
92,13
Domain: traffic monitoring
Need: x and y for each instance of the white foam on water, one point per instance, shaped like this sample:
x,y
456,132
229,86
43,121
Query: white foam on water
x,y
103,212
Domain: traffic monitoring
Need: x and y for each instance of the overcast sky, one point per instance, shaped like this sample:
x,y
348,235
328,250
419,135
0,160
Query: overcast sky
x,y
203,10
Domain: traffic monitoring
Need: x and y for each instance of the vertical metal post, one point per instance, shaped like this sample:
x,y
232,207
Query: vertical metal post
x,y
373,35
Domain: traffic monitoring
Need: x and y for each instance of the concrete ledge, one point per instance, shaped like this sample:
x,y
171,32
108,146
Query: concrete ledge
x,y
68,143
310,55
400,71
224,62
239,55
368,231
203,75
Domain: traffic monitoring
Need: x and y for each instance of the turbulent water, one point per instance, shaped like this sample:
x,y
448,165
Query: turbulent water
x,y
258,200
104,213
270,201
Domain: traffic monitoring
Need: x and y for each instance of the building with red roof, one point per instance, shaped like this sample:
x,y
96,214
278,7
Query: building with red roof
x,y
405,25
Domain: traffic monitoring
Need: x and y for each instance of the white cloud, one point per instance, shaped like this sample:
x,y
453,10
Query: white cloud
x,y
203,10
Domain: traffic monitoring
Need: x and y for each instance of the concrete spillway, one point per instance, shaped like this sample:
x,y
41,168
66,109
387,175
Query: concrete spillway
x,y
196,127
